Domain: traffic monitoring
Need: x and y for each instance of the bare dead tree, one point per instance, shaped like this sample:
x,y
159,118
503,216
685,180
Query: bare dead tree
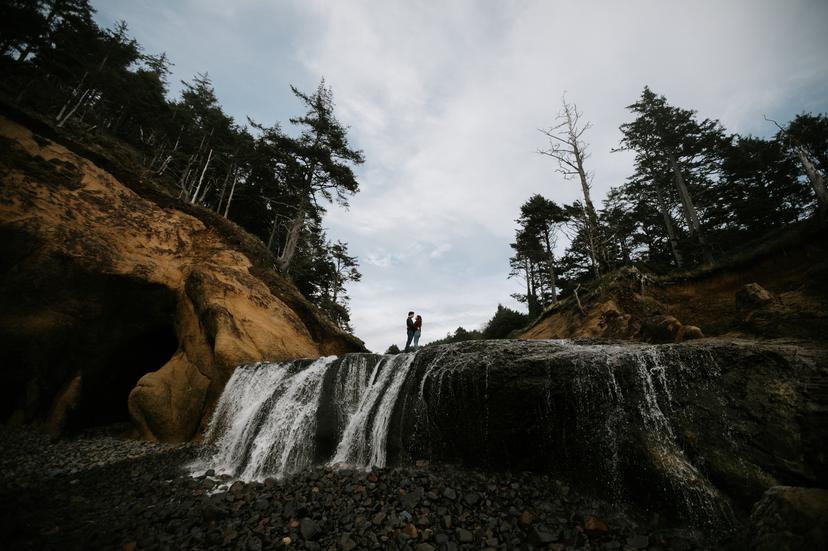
x,y
201,178
566,145
71,112
232,191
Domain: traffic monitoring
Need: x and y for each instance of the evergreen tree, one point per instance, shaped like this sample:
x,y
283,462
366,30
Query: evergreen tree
x,y
668,138
807,138
759,188
540,219
324,164
98,85
504,321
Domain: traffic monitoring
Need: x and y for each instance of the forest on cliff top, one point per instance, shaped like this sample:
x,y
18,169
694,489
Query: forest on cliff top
x,y
697,194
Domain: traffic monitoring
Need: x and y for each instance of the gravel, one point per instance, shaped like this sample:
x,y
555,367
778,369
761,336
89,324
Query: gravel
x,y
102,492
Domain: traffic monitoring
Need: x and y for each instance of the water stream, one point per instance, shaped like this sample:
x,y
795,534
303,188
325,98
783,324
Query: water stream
x,y
275,419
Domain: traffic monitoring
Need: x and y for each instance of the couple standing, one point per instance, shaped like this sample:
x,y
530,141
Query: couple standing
x,y
414,328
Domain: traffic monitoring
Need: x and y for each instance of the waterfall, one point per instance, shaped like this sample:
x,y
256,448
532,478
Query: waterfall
x,y
265,423
621,417
363,442
600,400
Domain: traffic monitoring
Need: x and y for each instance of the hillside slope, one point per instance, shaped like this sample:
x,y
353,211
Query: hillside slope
x,y
116,294
776,290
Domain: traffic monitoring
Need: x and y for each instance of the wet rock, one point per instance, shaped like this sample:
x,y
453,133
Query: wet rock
x,y
410,530
411,499
463,535
309,528
688,333
526,519
449,493
594,525
541,535
788,518
346,543
638,541
378,518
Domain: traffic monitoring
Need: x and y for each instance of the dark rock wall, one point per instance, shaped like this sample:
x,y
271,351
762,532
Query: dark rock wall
x,y
694,426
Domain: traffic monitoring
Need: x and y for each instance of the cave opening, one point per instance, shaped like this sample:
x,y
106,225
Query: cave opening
x,y
60,320
134,335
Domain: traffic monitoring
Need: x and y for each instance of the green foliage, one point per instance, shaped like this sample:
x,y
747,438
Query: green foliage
x,y
739,188
100,86
393,349
534,259
504,321
459,335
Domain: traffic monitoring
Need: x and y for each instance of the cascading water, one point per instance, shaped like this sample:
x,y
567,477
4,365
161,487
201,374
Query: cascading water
x,y
623,417
265,423
363,442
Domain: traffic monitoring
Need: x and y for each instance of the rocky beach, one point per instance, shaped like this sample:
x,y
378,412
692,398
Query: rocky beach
x,y
179,326
99,491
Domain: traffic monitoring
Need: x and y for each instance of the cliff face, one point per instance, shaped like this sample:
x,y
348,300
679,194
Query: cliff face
x,y
114,294
776,292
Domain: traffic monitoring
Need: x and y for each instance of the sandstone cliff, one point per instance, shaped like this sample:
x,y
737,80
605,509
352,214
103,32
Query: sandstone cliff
x,y
114,293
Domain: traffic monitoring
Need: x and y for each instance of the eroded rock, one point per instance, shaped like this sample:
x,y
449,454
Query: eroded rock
x,y
116,294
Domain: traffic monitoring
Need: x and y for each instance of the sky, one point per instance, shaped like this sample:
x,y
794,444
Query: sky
x,y
445,99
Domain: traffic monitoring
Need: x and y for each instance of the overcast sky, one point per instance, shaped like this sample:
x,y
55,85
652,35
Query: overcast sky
x,y
445,98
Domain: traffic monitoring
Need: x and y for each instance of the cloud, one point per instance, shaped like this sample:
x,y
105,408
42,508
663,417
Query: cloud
x,y
446,104
445,99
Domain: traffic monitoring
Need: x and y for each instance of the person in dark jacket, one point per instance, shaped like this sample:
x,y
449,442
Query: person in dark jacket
x,y
418,329
409,327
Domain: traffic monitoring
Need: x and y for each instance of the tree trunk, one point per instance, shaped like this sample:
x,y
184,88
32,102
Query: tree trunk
x,y
75,108
232,191
528,285
816,179
224,186
292,241
591,216
184,175
298,221
201,178
273,231
668,223
690,213
550,258
207,189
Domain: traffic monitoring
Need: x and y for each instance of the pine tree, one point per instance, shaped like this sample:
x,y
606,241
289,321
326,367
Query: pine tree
x,y
324,161
540,219
667,138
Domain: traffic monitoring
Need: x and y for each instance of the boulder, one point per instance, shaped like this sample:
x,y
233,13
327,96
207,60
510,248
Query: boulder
x,y
790,518
660,328
689,332
693,429
752,296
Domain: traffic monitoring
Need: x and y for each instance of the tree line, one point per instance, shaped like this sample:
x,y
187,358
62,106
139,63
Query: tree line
x,y
100,85
696,193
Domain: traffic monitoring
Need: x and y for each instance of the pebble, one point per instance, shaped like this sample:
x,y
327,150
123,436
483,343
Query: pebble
x,y
99,491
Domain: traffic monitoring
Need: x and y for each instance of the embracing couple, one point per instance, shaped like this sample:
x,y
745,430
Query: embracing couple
x,y
414,328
